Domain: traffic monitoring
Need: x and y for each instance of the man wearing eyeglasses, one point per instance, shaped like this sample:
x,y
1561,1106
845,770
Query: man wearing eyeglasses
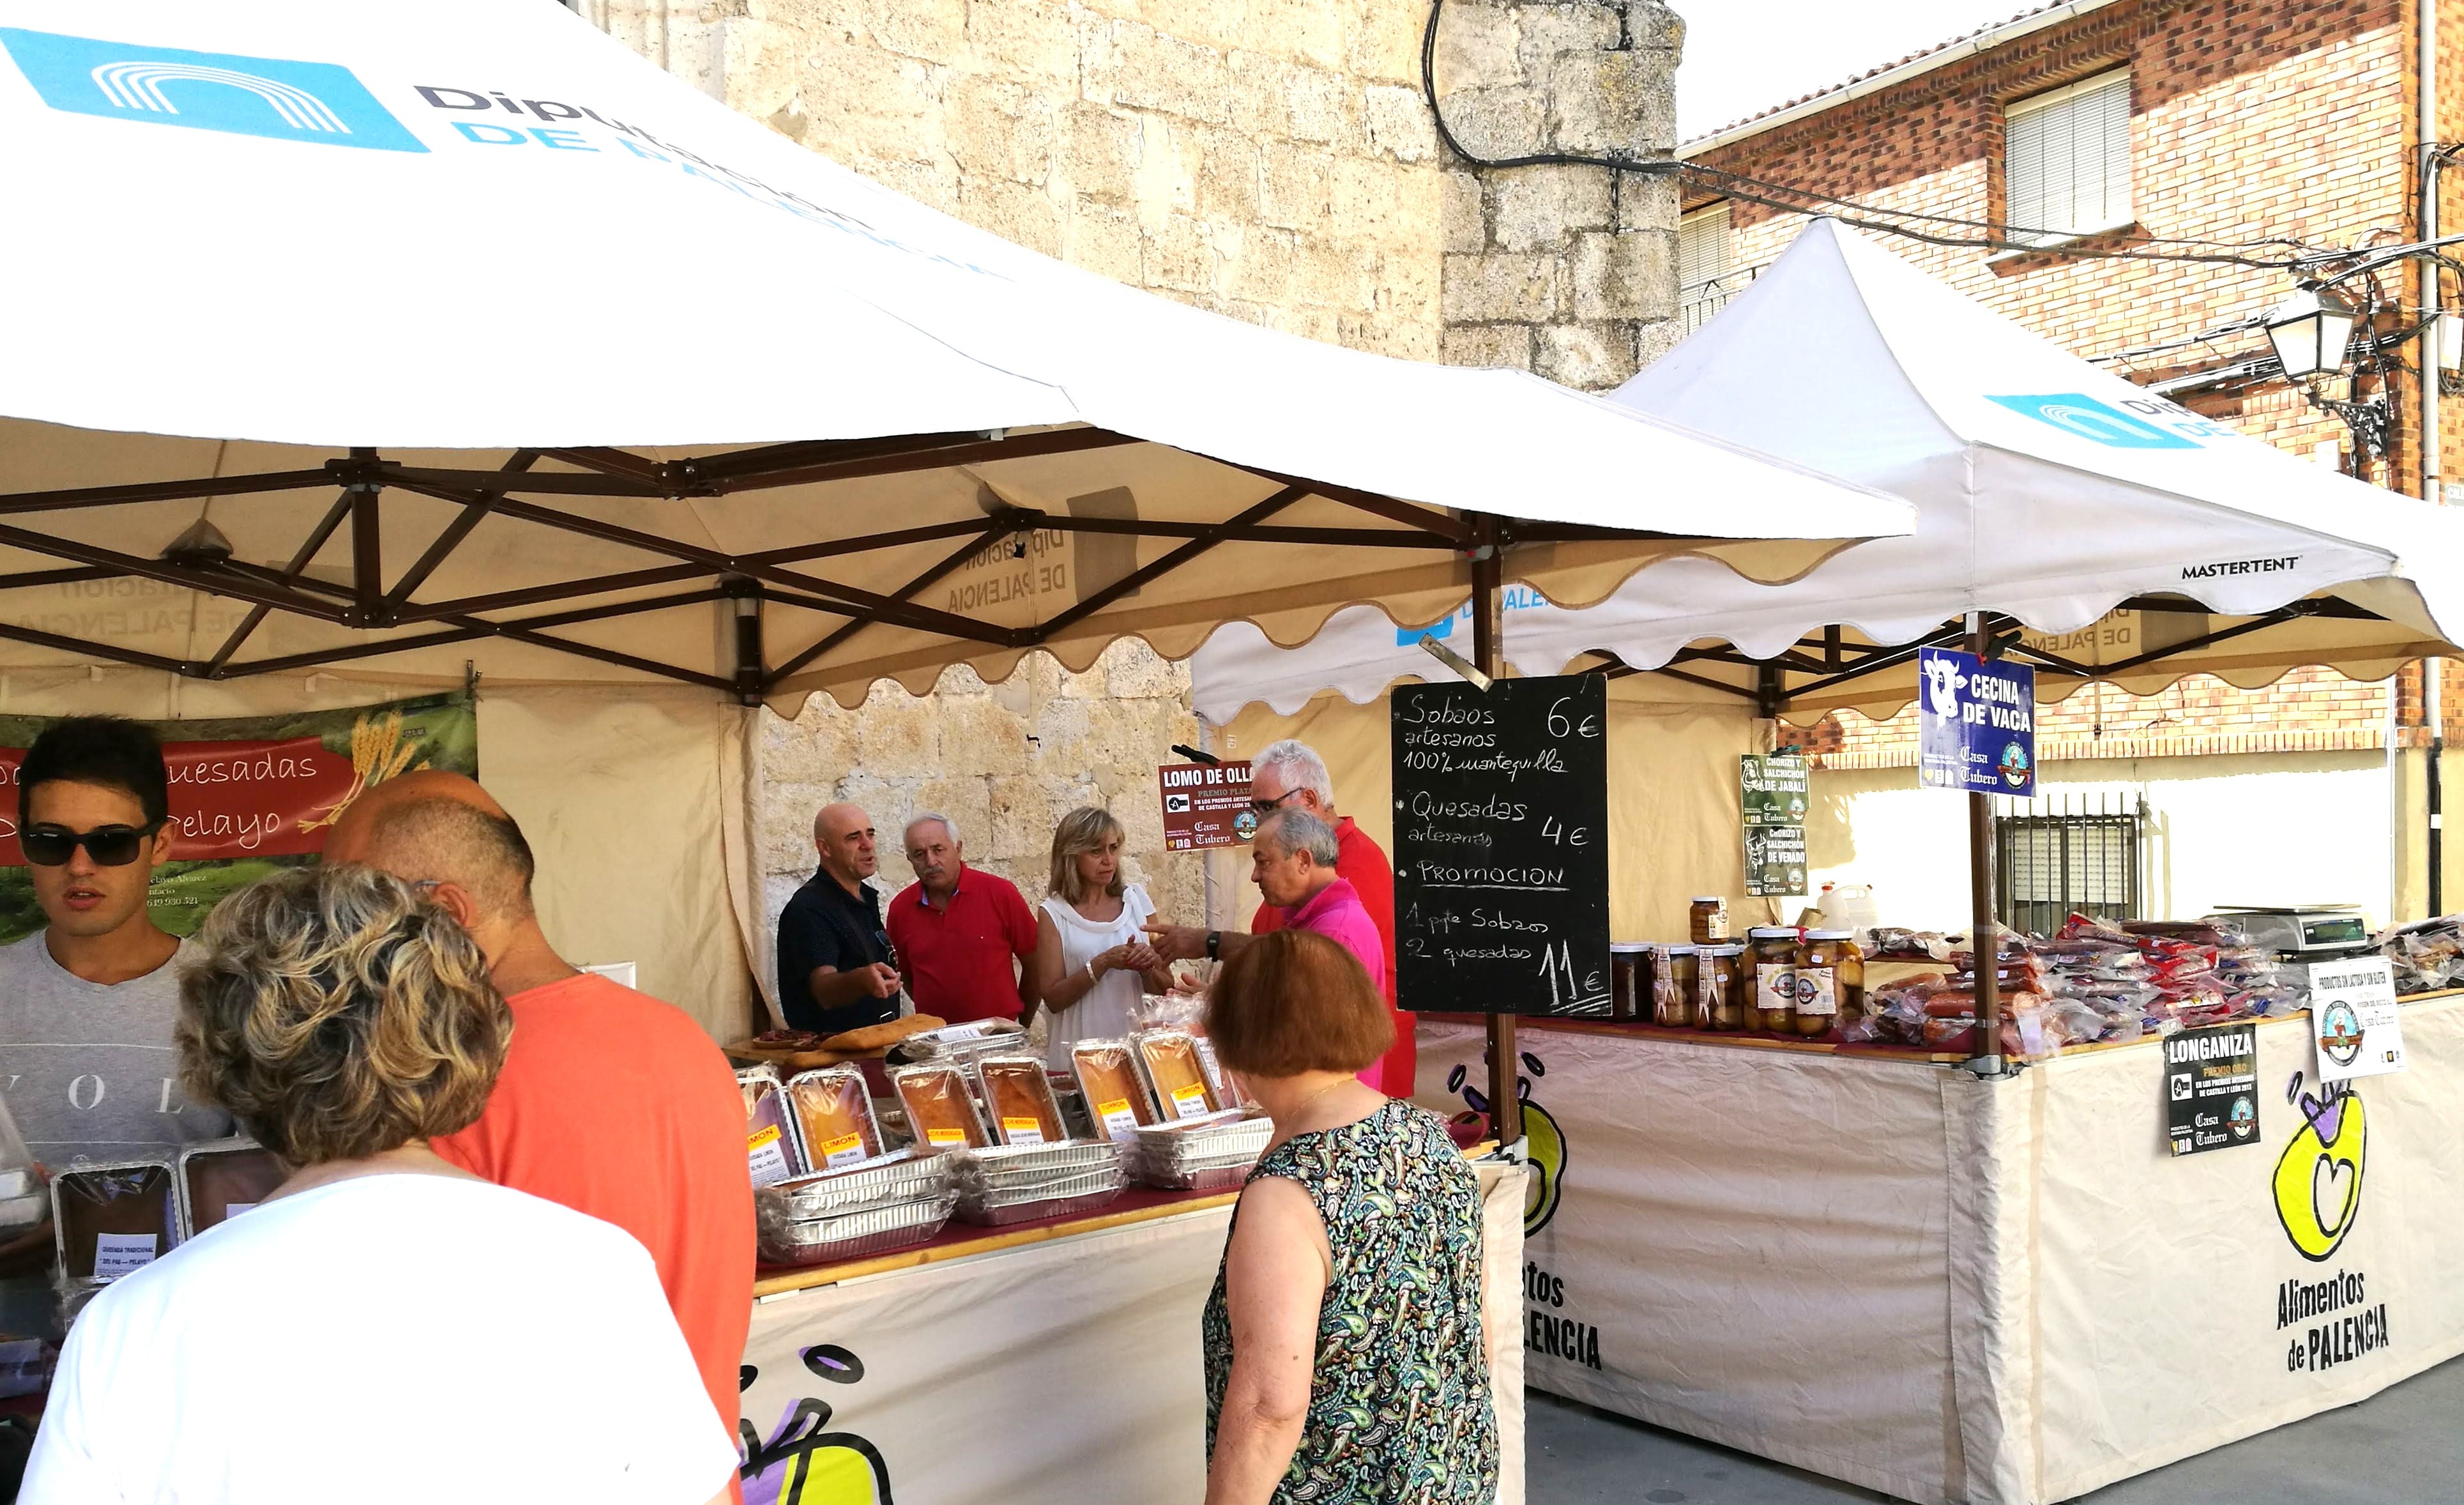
x,y
1289,775
88,1002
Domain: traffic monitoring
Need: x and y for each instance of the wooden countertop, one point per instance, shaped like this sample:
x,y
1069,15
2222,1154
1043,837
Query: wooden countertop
x,y
964,1240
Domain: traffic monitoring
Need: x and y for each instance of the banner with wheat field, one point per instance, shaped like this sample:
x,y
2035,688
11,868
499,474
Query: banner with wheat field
x,y
251,794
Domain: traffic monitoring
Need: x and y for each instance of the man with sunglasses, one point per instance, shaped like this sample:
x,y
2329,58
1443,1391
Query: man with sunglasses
x,y
88,1002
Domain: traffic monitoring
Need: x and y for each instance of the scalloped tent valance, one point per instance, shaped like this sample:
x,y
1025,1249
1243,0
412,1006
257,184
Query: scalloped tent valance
x,y
2050,494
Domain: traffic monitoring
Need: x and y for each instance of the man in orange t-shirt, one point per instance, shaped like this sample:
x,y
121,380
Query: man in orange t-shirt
x,y
610,1102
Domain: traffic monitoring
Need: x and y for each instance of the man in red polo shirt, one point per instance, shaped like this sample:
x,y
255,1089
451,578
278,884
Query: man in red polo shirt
x,y
1290,775
955,929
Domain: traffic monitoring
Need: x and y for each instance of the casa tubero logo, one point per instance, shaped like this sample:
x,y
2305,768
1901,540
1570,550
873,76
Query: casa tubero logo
x,y
287,98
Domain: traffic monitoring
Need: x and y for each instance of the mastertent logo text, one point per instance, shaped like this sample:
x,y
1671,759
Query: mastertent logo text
x,y
277,96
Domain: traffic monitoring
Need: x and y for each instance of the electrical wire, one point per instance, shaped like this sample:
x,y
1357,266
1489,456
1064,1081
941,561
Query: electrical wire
x,y
1789,199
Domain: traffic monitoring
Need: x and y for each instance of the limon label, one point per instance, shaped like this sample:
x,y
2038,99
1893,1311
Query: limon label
x,y
769,1157
940,1137
1190,1101
845,1150
1117,1117
1021,1130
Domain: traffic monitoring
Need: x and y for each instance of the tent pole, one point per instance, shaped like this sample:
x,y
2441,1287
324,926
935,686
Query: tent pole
x,y
1981,939
1504,1068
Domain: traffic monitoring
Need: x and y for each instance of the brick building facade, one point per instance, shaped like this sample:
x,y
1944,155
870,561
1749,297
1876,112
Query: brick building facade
x,y
2244,124
2195,129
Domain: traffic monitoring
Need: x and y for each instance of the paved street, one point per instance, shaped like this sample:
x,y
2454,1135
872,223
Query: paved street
x,y
2402,1447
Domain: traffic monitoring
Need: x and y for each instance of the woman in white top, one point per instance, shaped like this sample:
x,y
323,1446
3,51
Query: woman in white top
x,y
1090,954
384,1327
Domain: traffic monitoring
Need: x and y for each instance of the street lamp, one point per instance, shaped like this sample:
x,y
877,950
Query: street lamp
x,y
2310,331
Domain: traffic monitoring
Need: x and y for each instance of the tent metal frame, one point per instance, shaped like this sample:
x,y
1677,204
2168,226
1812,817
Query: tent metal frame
x,y
519,492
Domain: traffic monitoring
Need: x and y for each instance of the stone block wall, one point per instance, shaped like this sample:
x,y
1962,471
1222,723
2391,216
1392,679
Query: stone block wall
x,y
1274,161
1270,160
1570,272
1004,760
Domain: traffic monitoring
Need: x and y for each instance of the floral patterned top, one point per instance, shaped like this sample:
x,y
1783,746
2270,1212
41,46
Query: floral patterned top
x,y
1399,1407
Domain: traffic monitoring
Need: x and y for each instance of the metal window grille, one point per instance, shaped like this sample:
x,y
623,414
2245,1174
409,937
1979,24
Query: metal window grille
x,y
1705,282
2076,855
2066,159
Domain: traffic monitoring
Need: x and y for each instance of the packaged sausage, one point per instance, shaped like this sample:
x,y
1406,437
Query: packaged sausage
x,y
221,1179
940,1111
115,1219
1019,1099
1170,1059
1116,1099
833,1112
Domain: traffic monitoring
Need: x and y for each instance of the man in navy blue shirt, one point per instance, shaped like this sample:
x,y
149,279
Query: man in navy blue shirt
x,y
835,971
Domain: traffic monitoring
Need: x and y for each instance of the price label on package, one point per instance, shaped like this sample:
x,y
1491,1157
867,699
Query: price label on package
x,y
2355,1019
118,1255
769,1157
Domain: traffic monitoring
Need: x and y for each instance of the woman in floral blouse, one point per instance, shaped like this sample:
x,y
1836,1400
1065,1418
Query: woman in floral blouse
x,y
1344,1358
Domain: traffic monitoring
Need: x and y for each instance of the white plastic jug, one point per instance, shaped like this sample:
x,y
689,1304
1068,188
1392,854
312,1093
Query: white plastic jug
x,y
1848,906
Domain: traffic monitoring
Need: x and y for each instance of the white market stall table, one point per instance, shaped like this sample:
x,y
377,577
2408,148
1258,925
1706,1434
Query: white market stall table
x,y
1045,1361
1952,1289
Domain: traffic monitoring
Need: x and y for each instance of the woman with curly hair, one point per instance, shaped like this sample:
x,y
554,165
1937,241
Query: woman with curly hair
x,y
383,1326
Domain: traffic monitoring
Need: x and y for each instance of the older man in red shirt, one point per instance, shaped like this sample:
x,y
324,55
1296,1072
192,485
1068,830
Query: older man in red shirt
x,y
956,928
1290,775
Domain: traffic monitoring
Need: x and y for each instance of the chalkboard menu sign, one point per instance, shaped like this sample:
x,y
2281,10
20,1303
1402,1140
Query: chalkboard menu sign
x,y
1501,847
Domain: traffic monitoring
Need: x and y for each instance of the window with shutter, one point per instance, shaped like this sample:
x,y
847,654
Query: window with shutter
x,y
1702,281
1702,245
2066,161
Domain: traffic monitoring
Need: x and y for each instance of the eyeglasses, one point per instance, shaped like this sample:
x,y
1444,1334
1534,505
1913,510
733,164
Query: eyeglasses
x,y
110,846
1270,806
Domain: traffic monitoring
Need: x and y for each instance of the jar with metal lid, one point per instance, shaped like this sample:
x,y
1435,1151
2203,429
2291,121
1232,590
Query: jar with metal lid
x,y
1707,919
1830,982
1774,959
1629,960
1719,987
1673,986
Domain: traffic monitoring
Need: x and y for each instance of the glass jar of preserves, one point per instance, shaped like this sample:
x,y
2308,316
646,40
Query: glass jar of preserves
x,y
1719,986
1673,986
1774,959
1707,919
1628,992
1830,982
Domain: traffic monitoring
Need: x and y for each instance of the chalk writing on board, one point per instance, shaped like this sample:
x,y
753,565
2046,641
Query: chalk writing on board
x,y
1501,846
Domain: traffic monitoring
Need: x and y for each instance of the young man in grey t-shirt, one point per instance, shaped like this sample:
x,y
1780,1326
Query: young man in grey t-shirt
x,y
87,1004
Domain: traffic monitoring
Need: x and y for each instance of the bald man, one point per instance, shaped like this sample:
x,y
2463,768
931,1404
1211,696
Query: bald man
x,y
835,971
610,1102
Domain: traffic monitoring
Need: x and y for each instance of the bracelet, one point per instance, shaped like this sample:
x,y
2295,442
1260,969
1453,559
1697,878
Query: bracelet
x,y
1091,972
1213,944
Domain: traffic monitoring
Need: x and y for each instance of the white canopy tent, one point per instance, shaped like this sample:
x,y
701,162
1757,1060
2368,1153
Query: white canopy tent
x,y
2049,493
906,443
418,340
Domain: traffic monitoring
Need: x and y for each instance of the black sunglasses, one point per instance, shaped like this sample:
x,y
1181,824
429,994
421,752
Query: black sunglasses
x,y
110,846
1264,807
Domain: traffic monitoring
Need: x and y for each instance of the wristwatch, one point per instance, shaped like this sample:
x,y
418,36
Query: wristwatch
x,y
1213,945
